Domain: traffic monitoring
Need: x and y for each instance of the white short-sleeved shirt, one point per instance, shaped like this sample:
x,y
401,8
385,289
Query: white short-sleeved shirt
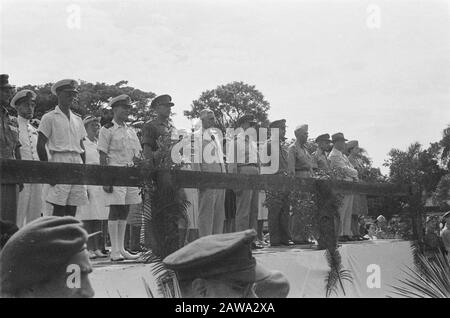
x,y
92,155
120,143
63,135
28,139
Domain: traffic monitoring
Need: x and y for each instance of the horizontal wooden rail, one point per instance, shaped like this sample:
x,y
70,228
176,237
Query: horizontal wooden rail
x,y
25,171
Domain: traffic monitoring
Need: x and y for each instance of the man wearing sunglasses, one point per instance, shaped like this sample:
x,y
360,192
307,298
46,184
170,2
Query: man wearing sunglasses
x,y
222,266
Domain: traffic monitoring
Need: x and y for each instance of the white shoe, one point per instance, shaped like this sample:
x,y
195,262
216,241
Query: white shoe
x,y
99,254
130,256
122,225
116,257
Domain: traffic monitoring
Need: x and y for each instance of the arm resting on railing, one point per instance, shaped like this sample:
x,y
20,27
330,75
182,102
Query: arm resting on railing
x,y
41,142
104,162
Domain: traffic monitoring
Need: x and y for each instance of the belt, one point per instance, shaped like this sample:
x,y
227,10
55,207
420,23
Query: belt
x,y
61,152
248,165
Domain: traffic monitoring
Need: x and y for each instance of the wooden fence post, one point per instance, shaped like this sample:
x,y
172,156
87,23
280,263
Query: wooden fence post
x,y
326,208
416,211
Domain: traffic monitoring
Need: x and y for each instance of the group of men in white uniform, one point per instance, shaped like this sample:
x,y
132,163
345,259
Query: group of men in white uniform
x,y
62,137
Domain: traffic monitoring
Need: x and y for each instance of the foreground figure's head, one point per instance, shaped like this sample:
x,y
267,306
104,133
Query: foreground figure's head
x,y
222,266
46,258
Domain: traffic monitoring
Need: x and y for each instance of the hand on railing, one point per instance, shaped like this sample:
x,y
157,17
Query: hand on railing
x,y
108,189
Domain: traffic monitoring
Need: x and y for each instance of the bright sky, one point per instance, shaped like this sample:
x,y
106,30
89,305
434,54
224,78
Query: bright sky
x,y
379,71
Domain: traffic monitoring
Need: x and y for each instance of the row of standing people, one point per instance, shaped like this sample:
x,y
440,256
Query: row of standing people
x,y
294,160
62,137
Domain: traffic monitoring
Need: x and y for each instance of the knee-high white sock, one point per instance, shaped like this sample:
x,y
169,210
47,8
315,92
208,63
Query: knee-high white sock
x,y
113,234
121,237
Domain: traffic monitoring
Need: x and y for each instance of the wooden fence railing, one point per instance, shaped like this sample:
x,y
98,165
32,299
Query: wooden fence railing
x,y
24,171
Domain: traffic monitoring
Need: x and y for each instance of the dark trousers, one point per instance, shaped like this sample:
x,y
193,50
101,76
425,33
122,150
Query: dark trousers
x,y
279,223
64,210
133,237
96,242
8,202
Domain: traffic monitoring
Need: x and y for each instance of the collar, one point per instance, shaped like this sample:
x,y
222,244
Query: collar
x,y
117,124
337,150
92,142
22,120
299,145
58,110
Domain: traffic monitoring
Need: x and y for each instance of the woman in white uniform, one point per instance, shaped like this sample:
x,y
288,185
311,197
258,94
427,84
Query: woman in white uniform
x,y
95,212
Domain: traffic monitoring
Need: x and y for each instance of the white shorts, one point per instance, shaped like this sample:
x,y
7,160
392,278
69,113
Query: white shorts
x,y
263,212
123,196
67,194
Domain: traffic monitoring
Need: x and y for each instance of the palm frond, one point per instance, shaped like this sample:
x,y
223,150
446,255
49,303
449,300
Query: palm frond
x,y
163,208
430,277
166,279
337,274
147,289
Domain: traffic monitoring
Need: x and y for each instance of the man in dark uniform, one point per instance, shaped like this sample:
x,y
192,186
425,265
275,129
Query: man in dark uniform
x,y
278,204
155,135
9,149
157,128
222,266
320,161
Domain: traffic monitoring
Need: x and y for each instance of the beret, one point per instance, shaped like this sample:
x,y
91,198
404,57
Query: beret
x,y
276,285
121,100
324,137
39,250
227,256
338,136
278,123
69,85
23,94
162,100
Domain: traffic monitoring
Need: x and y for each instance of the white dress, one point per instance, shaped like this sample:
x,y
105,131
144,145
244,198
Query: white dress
x,y
30,204
96,208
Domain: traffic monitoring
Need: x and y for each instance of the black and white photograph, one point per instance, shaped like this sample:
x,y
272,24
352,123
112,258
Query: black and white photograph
x,y
225,150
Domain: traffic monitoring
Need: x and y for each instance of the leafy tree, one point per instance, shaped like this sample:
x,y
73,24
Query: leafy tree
x,y
229,102
93,98
416,166
444,143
